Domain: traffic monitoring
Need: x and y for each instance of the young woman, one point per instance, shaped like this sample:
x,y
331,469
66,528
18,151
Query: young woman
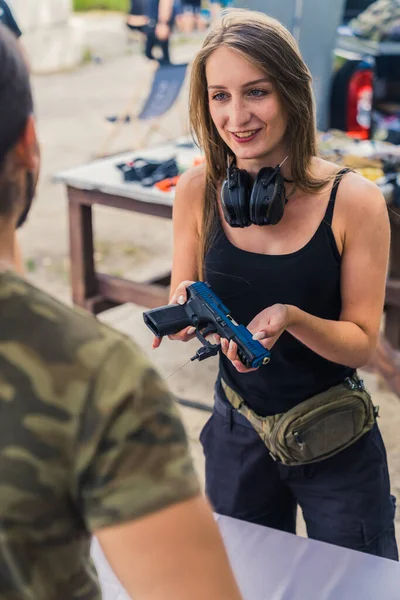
x,y
310,286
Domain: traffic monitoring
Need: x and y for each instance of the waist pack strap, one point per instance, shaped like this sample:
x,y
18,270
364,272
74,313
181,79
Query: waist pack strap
x,y
263,425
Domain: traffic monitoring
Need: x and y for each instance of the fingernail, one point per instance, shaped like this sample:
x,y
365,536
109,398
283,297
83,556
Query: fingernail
x,y
191,330
217,339
260,335
231,345
181,300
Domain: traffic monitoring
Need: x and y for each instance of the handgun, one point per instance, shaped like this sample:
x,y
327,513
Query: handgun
x,y
206,312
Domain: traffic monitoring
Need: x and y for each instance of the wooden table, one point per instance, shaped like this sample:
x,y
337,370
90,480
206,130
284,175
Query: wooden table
x,y
101,183
272,565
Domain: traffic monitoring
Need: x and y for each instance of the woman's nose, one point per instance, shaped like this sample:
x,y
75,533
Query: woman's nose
x,y
239,114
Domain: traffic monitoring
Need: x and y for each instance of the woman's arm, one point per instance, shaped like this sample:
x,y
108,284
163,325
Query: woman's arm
x,y
163,27
165,8
186,217
351,340
188,202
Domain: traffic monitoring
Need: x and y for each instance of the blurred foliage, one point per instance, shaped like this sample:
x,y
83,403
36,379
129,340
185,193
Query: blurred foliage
x,y
30,265
120,5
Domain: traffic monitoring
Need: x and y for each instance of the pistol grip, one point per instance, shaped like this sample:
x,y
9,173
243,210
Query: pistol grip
x,y
167,320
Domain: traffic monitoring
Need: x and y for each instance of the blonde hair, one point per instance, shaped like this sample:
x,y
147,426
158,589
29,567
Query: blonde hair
x,y
267,44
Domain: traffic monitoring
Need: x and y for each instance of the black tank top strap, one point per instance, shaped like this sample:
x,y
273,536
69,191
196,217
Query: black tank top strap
x,y
331,204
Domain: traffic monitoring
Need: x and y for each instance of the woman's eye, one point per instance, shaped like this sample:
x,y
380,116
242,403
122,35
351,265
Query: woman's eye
x,y
258,93
219,96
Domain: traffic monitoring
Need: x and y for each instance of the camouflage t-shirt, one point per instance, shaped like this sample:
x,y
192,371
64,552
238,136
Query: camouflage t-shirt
x,y
89,437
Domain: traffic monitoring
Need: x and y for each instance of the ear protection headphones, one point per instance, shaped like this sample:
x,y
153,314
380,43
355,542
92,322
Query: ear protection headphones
x,y
262,203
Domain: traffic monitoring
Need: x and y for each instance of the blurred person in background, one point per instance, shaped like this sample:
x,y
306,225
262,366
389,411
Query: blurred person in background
x,y
90,438
137,19
189,16
217,6
161,17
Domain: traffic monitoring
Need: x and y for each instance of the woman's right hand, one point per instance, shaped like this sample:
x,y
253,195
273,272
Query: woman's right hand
x,y
178,297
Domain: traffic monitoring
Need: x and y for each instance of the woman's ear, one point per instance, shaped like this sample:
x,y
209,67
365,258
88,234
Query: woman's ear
x,y
27,147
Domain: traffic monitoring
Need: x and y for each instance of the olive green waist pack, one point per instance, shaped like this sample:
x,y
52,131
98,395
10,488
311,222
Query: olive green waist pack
x,y
317,428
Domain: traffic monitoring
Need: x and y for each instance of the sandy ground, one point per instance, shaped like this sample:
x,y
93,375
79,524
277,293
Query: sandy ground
x,y
71,109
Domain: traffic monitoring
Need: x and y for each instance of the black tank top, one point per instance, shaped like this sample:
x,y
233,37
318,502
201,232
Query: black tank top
x,y
248,283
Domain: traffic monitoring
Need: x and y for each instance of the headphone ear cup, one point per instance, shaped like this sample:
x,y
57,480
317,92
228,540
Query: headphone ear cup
x,y
235,196
278,201
226,202
260,195
267,201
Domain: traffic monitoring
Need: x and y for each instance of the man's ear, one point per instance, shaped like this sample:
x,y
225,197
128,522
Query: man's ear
x,y
27,148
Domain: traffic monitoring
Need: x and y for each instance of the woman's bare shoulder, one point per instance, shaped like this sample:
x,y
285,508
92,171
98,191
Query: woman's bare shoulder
x,y
358,199
353,186
323,169
193,181
189,196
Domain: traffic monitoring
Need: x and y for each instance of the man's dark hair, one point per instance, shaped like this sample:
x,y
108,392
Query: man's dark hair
x,y
16,102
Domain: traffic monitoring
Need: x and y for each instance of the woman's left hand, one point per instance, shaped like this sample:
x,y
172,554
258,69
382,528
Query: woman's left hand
x,y
266,327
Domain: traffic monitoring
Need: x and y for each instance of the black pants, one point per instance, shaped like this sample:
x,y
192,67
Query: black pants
x,y
137,7
151,41
345,499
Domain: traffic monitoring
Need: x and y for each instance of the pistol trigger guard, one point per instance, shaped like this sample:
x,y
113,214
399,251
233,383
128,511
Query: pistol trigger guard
x,y
203,340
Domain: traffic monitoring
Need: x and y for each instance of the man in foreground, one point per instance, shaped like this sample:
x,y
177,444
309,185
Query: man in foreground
x,y
7,19
90,441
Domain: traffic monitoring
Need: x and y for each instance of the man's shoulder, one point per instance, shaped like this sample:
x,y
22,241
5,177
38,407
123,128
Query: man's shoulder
x,y
56,334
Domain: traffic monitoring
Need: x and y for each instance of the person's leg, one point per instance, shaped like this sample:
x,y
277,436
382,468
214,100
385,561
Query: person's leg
x,y
242,480
177,14
199,21
137,19
346,499
150,42
215,10
186,19
164,45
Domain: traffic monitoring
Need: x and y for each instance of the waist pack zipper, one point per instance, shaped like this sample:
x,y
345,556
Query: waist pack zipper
x,y
297,434
305,426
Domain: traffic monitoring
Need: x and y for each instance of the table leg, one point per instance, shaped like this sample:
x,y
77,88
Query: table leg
x,y
83,278
97,292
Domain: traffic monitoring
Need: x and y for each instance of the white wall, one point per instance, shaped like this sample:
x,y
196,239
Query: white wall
x,y
51,38
32,14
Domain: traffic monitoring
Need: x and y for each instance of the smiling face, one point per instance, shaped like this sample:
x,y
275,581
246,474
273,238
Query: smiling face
x,y
246,110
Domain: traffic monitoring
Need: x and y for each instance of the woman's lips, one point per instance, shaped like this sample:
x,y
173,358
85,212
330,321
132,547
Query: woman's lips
x,y
245,136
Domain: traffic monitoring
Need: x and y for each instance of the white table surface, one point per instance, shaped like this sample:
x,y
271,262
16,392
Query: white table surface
x,y
272,565
103,175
